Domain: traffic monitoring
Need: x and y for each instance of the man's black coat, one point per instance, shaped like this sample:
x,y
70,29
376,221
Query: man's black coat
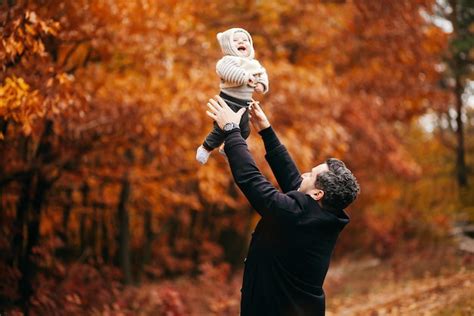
x,y
289,253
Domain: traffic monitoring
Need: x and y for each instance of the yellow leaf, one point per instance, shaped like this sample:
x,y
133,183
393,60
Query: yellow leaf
x,y
30,29
23,85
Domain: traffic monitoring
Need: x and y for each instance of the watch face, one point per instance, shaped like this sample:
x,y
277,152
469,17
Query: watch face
x,y
228,127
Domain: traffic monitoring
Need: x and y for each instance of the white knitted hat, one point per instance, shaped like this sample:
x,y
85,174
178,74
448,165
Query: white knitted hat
x,y
225,40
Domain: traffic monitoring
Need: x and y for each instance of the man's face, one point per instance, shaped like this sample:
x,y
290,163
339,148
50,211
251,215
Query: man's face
x,y
242,44
309,178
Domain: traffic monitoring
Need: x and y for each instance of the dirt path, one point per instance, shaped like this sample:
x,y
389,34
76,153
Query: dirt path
x,y
426,296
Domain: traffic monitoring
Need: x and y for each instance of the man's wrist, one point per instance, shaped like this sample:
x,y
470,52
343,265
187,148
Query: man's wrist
x,y
227,127
270,138
266,130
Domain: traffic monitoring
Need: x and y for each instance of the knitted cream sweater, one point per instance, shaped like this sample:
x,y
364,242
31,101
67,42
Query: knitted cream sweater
x,y
235,72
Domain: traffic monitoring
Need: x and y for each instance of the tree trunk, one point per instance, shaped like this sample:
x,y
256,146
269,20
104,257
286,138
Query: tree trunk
x,y
457,60
3,127
148,229
34,200
27,264
192,235
461,168
66,215
148,242
83,233
17,245
83,218
94,234
105,238
124,232
18,241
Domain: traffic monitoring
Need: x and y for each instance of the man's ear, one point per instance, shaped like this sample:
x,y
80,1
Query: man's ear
x,y
316,194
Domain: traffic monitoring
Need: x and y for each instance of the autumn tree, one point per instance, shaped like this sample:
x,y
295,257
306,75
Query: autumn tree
x,y
458,75
102,107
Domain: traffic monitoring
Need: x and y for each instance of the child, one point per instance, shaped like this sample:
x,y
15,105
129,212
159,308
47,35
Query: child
x,y
240,75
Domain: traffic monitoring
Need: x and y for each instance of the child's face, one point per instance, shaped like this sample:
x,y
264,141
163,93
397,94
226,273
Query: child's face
x,y
242,44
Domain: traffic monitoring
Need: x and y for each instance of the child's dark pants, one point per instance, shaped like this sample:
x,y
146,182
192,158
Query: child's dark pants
x,y
216,137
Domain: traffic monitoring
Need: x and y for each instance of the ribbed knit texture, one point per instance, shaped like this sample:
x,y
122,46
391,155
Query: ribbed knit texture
x,y
229,69
235,70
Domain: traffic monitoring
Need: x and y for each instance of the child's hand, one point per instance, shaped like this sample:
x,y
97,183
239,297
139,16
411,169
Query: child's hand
x,y
252,81
259,87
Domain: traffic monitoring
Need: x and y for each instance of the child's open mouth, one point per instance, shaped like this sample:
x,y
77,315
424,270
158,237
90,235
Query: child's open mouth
x,y
242,48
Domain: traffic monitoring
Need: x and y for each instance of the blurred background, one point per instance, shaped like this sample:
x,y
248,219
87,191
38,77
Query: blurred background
x,y
104,210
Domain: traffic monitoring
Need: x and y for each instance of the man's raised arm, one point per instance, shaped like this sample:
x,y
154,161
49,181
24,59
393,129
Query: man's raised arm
x,y
262,195
280,161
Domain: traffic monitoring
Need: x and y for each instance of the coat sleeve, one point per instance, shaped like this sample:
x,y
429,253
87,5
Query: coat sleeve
x,y
280,161
262,195
228,69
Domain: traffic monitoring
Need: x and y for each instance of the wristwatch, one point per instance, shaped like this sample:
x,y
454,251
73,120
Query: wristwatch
x,y
229,126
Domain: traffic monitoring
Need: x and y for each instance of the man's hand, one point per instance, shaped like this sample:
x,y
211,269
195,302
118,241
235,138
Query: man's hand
x,y
257,116
220,112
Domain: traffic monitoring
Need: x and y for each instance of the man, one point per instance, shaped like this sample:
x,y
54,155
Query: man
x,y
291,247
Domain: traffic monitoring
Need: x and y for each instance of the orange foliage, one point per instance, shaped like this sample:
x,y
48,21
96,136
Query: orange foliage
x,y
102,105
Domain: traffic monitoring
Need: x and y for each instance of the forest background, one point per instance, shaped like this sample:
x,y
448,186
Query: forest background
x,y
104,210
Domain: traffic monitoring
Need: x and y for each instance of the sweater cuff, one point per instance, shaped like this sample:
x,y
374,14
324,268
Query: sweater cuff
x,y
270,139
265,86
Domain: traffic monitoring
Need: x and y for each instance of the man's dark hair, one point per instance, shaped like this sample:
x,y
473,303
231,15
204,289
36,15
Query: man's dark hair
x,y
339,185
